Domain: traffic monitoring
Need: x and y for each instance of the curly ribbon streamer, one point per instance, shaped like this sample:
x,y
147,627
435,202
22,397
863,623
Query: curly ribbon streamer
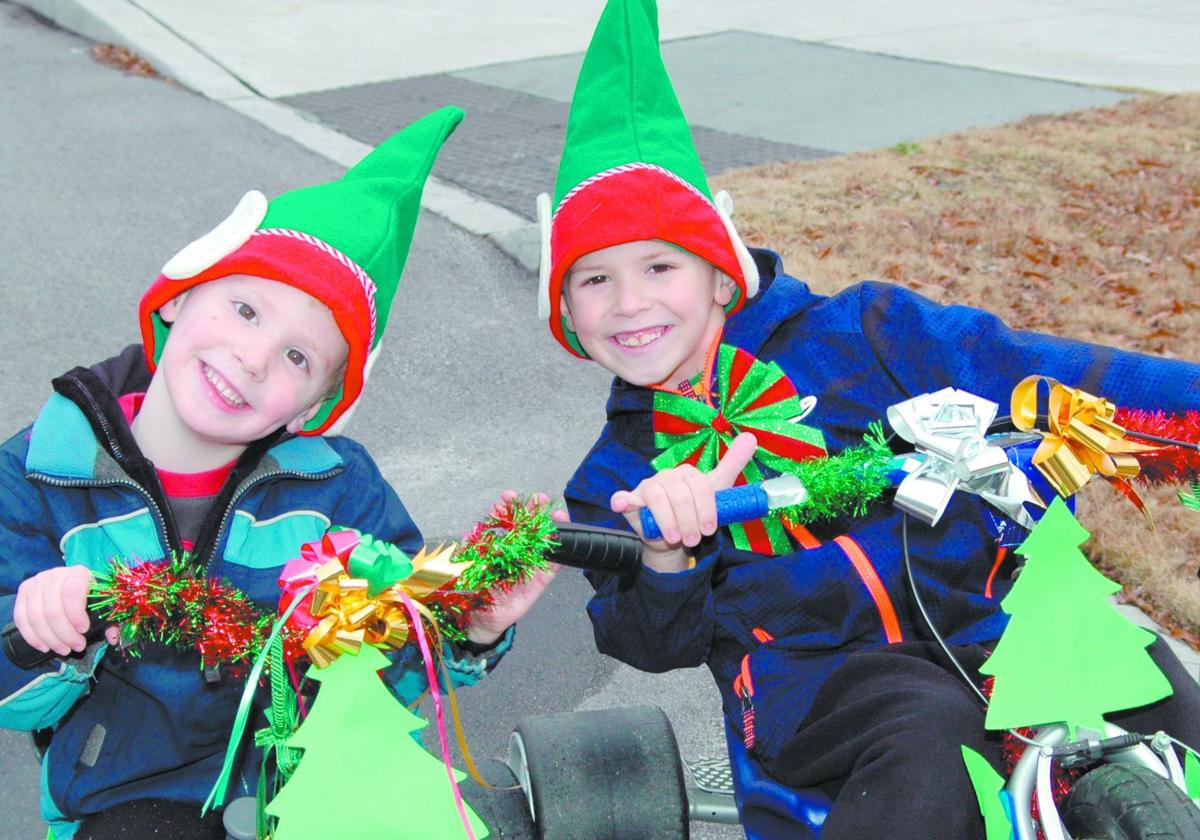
x,y
948,428
216,796
415,612
1082,440
754,396
342,614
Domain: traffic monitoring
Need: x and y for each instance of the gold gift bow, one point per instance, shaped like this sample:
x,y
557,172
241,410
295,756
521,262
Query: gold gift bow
x,y
349,618
1082,440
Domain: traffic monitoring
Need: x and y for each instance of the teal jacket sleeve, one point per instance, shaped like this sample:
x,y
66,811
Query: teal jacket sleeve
x,y
37,698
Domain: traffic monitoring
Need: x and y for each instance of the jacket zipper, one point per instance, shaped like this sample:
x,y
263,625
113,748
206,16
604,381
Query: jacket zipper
x,y
743,687
246,488
159,521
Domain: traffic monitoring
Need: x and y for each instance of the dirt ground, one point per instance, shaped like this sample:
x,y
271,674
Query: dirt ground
x,y
1086,225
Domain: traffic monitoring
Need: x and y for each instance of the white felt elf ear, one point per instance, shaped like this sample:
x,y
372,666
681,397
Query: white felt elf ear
x,y
724,204
544,220
221,241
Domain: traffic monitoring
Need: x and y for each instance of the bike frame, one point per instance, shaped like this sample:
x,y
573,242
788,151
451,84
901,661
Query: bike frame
x,y
1031,777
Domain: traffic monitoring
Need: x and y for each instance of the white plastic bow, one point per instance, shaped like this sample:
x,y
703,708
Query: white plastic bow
x,y
948,428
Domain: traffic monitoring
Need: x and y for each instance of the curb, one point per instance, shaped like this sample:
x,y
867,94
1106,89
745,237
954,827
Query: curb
x,y
124,22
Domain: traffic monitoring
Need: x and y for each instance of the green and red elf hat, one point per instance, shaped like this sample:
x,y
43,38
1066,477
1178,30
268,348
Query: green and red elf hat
x,y
629,169
344,243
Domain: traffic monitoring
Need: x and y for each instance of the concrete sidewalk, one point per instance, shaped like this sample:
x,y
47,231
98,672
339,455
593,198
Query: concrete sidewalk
x,y
279,48
761,81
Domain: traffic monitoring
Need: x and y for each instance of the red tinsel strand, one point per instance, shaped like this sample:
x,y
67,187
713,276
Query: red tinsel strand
x,y
163,602
140,594
1170,464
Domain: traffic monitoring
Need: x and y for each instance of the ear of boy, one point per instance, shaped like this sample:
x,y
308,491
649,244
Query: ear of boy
x,y
725,289
295,425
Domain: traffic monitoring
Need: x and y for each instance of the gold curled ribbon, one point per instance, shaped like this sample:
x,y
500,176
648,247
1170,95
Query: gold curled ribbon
x,y
1082,439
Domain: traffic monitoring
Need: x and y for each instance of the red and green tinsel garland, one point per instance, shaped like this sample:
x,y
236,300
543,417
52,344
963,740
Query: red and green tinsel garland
x,y
507,546
167,602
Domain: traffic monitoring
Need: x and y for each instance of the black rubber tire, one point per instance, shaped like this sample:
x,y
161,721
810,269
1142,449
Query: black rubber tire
x,y
1127,802
503,809
608,775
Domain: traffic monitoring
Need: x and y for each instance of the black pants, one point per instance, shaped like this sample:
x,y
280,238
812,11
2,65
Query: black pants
x,y
152,818
885,733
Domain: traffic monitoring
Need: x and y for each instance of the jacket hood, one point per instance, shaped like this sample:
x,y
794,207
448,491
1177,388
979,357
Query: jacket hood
x,y
126,372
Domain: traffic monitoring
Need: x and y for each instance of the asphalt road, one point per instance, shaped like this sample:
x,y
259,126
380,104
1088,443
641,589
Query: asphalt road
x,y
103,176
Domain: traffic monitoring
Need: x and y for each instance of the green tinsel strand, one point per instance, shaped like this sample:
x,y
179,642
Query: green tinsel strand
x,y
844,484
282,718
451,622
1191,502
508,546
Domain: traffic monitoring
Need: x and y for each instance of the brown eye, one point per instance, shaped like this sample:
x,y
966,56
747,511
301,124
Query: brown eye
x,y
245,310
298,359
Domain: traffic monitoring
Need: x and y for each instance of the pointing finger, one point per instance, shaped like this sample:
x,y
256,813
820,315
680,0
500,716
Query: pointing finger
x,y
740,451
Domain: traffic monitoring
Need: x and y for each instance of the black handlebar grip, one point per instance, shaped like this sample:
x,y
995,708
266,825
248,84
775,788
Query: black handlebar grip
x,y
604,550
24,655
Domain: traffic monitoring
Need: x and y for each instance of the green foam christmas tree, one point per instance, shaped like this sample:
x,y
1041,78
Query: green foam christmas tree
x,y
1067,655
989,787
363,776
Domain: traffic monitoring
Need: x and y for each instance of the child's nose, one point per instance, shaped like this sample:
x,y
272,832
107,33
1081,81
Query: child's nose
x,y
253,361
630,297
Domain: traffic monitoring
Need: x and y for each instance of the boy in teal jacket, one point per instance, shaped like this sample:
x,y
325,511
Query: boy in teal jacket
x,y
217,438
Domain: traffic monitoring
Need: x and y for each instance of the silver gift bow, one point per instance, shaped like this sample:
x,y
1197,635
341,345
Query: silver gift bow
x,y
948,429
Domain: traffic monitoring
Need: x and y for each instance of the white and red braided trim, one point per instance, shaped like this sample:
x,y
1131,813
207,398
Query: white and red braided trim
x,y
623,168
364,280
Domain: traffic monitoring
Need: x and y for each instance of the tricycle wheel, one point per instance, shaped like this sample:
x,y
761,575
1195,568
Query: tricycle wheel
x,y
1129,802
607,775
502,808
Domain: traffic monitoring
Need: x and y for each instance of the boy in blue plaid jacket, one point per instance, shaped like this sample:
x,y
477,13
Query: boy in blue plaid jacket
x,y
813,638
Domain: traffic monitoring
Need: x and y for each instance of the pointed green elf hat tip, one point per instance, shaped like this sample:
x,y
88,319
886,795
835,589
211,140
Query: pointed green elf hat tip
x,y
629,169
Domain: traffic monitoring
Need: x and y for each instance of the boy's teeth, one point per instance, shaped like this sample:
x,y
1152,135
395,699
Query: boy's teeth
x,y
231,396
637,339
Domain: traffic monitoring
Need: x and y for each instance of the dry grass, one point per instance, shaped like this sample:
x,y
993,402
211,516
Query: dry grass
x,y
1085,225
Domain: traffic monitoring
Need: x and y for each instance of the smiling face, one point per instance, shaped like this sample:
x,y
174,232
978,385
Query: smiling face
x,y
646,310
244,357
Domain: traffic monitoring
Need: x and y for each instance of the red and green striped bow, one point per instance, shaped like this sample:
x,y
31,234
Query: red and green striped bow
x,y
755,397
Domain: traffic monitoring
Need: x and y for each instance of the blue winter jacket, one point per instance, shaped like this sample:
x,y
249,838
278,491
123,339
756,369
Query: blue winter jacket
x,y
857,353
75,489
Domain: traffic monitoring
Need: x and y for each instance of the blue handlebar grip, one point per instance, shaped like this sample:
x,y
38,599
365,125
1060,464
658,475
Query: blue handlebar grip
x,y
737,504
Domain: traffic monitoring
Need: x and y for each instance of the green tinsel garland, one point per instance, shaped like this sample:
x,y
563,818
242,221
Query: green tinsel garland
x,y
506,547
844,484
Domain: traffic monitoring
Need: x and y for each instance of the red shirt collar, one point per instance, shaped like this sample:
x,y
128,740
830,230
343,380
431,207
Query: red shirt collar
x,y
175,484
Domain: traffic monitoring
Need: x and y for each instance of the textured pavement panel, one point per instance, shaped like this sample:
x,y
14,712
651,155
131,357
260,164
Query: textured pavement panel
x,y
508,148
820,96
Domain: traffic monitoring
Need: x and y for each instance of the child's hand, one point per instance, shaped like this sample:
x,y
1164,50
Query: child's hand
x,y
510,605
51,610
683,501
